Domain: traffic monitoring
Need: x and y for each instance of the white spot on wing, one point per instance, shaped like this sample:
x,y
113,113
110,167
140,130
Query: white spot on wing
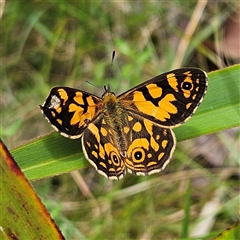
x,y
55,101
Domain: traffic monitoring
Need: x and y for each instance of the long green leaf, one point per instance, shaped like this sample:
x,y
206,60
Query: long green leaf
x,y
53,154
23,216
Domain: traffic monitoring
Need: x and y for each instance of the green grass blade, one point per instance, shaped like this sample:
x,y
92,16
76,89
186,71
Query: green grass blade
x,y
53,154
50,155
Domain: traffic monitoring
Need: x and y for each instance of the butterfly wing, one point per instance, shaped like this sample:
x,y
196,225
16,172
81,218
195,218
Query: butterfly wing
x,y
168,99
70,110
133,131
150,146
101,149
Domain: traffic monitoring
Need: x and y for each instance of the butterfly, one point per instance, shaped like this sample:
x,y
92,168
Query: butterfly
x,y
133,131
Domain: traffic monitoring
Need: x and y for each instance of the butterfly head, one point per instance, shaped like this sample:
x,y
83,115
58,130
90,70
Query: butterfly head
x,y
107,91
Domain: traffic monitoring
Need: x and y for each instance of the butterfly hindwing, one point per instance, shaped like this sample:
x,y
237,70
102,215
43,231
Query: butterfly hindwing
x,y
101,149
146,147
149,146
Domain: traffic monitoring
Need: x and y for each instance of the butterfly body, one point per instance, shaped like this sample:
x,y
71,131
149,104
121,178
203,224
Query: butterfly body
x,y
132,131
114,117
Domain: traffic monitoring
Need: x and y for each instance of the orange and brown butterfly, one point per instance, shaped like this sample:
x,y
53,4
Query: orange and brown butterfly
x,y
133,131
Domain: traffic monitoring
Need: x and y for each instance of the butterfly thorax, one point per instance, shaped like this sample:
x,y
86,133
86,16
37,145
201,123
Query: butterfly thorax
x,y
115,118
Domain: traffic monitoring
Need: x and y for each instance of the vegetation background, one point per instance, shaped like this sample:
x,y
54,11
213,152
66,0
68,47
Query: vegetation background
x,y
65,43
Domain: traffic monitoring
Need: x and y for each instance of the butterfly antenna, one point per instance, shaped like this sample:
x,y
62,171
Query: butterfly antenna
x,y
110,76
93,84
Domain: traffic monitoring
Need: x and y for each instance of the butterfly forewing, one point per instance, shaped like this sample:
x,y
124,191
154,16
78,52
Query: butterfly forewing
x,y
168,99
70,110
